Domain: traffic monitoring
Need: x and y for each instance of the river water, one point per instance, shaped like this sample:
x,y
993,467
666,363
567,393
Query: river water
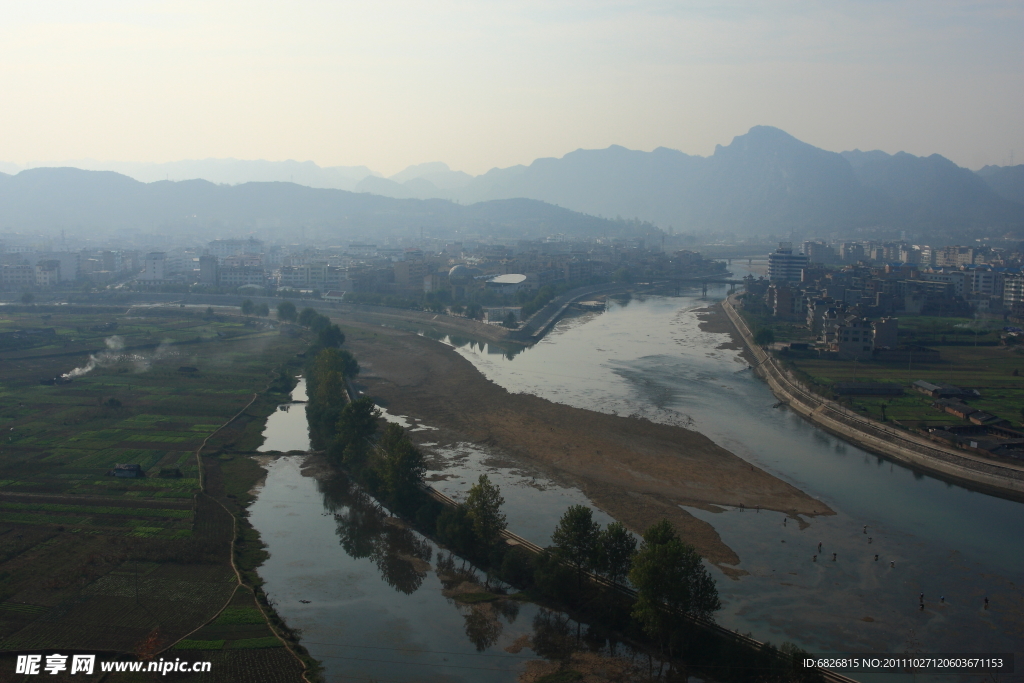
x,y
369,594
648,356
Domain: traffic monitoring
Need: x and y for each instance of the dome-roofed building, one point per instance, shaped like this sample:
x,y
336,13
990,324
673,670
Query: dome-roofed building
x,y
460,275
509,283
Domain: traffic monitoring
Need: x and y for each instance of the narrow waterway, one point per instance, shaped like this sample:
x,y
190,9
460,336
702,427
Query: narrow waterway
x,y
374,600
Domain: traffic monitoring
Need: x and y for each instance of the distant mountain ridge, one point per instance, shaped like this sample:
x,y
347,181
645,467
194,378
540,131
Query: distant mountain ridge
x,y
763,182
1007,181
50,199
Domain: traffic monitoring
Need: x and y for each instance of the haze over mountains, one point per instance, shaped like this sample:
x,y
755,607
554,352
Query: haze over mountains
x,y
101,202
765,181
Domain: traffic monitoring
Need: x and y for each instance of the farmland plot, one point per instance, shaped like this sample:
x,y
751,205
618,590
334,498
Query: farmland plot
x,y
96,562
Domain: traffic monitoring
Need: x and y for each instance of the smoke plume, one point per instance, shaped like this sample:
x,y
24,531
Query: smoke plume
x,y
114,346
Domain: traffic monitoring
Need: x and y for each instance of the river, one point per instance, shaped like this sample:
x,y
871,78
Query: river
x,y
647,355
368,594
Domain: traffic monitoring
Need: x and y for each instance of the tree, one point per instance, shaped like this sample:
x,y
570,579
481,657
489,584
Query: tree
x,y
616,548
356,424
28,297
209,311
247,307
672,585
398,464
510,321
306,316
320,323
764,336
575,539
263,310
325,384
286,312
331,337
483,506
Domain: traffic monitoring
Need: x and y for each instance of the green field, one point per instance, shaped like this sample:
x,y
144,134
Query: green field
x,y
988,367
90,561
972,357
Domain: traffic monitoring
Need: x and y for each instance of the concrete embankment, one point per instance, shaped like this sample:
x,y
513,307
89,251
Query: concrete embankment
x,y
540,322
1001,478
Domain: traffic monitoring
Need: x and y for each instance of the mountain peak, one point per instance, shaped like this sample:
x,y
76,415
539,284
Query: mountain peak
x,y
419,170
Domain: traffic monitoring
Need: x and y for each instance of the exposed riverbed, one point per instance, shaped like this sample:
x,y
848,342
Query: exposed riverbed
x,y
649,356
375,600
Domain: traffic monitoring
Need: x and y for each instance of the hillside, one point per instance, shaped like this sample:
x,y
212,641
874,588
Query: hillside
x,y
50,199
1005,181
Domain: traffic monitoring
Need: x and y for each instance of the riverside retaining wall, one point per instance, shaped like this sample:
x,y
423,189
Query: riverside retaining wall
x,y
904,447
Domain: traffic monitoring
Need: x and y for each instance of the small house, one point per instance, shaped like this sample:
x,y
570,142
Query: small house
x,y
127,470
982,418
953,407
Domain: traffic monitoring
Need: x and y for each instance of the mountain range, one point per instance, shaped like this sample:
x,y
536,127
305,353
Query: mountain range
x,y
763,182
98,202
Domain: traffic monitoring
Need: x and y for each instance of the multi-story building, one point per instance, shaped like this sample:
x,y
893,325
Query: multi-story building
x,y
784,265
819,252
242,275
957,278
18,276
409,274
70,263
208,269
47,273
224,248
1013,294
317,275
856,337
154,267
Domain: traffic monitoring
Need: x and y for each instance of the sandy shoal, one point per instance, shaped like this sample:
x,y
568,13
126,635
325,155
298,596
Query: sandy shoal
x,y
636,470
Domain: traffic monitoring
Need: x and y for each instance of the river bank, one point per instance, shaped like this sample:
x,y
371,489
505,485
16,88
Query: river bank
x,y
905,447
636,470
647,355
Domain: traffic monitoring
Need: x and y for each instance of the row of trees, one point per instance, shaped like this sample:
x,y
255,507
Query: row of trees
x,y
671,583
384,461
261,310
329,335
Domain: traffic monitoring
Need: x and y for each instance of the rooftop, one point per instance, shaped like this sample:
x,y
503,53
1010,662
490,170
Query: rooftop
x,y
509,279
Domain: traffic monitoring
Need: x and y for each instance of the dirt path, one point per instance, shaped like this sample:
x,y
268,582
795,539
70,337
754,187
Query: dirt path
x,y
637,471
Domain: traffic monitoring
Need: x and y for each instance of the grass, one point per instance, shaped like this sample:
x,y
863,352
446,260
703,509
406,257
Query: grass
x,y
988,369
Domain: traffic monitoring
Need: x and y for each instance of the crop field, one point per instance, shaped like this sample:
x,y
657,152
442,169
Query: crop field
x,y
96,562
995,371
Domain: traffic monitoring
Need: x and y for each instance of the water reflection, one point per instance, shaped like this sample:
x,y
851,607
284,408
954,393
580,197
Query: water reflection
x,y
366,531
287,429
649,356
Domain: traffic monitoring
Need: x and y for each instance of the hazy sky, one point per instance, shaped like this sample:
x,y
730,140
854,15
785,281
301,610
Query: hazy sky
x,y
488,83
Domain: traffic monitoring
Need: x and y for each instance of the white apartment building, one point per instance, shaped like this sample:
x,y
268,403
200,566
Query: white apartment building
x,y
154,267
784,265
